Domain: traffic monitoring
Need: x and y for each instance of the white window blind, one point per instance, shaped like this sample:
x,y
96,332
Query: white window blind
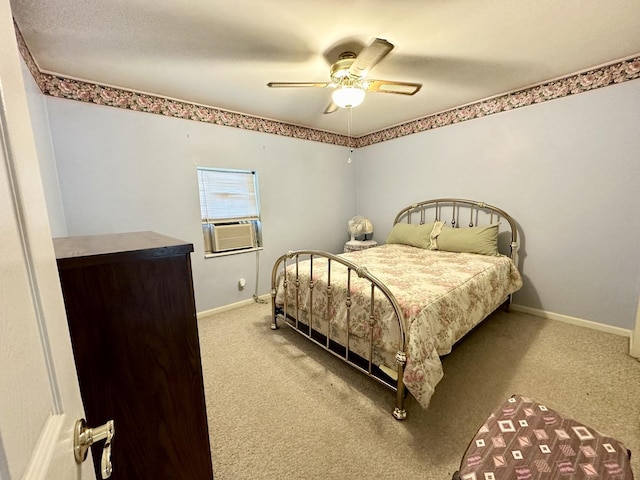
x,y
228,195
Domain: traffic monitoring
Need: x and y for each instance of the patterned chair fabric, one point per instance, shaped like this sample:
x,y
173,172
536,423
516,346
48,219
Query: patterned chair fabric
x,y
524,440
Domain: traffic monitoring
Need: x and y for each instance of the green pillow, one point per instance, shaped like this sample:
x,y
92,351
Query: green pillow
x,y
411,234
482,240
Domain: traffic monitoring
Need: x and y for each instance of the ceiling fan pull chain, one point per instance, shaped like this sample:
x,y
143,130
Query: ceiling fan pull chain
x,y
349,119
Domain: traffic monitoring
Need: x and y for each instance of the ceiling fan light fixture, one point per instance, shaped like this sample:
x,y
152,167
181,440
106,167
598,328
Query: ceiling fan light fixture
x,y
348,78
348,96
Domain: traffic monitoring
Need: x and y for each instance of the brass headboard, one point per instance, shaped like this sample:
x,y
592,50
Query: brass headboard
x,y
459,212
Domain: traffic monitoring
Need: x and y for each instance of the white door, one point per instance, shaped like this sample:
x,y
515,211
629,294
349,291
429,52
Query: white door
x,y
39,399
634,349
39,394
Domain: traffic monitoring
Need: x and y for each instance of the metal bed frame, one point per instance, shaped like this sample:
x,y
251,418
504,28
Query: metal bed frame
x,y
477,212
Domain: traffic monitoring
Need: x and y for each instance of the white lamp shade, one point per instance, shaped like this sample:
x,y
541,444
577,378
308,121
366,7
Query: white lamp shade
x,y
368,227
348,96
359,225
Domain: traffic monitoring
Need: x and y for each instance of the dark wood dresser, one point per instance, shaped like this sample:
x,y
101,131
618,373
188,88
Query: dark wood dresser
x,y
131,312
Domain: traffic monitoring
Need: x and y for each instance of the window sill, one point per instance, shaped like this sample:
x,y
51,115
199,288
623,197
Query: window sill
x,y
231,252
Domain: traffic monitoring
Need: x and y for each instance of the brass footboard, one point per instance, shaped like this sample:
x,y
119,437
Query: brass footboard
x,y
324,338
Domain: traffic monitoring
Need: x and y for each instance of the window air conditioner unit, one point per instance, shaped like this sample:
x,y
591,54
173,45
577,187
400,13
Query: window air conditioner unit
x,y
233,237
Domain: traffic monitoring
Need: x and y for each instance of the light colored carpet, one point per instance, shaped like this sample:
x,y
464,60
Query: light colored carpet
x,y
281,408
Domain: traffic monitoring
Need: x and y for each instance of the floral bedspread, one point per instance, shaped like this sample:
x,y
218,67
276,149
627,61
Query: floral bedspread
x,y
442,295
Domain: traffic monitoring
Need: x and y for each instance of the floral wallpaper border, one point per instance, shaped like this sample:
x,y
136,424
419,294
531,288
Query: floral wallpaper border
x,y
600,77
61,87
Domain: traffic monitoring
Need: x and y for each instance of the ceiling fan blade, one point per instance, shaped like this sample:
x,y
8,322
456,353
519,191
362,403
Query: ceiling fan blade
x,y
387,86
298,84
332,107
369,57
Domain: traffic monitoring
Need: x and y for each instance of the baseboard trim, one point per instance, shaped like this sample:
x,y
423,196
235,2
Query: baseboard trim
x,y
581,322
232,306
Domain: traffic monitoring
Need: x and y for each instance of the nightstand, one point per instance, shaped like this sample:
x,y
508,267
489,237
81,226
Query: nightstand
x,y
355,245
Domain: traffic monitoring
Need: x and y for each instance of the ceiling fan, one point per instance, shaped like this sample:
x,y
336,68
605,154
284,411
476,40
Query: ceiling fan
x,y
348,78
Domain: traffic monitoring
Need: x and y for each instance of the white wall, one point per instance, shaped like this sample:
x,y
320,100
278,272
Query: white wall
x,y
46,158
123,171
567,170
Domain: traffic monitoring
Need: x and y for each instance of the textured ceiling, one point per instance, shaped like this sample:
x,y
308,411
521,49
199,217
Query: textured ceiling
x,y
222,54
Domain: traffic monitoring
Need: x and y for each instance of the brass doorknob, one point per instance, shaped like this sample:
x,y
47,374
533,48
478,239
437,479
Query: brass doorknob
x,y
84,437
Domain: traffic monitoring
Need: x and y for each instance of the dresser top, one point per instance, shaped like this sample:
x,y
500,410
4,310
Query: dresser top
x,y
118,243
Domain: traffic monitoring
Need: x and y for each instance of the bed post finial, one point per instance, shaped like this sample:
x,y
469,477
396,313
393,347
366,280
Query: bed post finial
x,y
514,252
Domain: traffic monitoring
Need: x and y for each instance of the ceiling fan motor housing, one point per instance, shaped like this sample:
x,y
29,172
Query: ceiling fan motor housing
x,y
340,69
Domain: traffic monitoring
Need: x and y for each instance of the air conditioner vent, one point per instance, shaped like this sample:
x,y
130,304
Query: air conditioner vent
x,y
233,237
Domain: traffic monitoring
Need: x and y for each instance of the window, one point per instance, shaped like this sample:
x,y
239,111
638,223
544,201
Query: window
x,y
230,210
